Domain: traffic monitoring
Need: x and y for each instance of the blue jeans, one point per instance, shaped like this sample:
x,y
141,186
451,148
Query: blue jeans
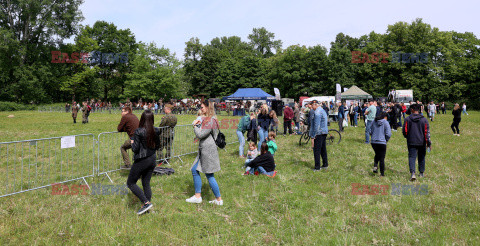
x,y
297,124
197,181
260,169
355,119
464,111
367,131
241,140
413,153
262,134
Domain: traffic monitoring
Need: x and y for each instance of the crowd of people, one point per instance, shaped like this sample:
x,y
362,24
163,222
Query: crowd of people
x,y
260,125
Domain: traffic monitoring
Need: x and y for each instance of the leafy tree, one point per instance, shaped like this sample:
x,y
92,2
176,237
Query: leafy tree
x,y
263,42
155,73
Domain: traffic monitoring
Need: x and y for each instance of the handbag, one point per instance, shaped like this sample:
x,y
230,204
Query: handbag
x,y
220,140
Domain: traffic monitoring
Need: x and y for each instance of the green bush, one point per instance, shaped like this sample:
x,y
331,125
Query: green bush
x,y
12,106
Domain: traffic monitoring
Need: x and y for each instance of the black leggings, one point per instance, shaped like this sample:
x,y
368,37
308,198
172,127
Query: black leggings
x,y
380,151
454,126
142,168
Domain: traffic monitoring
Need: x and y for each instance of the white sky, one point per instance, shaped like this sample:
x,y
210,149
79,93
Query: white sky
x,y
171,23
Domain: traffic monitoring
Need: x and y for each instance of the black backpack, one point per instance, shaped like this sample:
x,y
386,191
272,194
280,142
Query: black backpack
x,y
220,139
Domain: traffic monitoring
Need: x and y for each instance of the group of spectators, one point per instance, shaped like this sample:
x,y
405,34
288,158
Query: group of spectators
x,y
261,126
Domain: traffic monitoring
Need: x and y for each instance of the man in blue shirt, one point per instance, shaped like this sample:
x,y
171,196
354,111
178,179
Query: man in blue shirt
x,y
318,132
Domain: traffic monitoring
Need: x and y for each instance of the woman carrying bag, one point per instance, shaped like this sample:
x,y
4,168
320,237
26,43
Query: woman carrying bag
x,y
207,160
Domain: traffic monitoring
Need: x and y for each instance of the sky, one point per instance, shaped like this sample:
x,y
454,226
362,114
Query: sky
x,y
171,23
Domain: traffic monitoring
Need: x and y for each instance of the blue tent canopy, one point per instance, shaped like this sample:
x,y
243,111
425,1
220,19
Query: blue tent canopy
x,y
249,94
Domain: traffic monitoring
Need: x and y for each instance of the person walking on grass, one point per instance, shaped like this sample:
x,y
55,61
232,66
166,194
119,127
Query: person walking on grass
x,y
370,114
129,123
464,108
318,133
341,116
457,117
207,160
381,133
296,119
144,144
443,107
432,108
242,127
75,109
417,132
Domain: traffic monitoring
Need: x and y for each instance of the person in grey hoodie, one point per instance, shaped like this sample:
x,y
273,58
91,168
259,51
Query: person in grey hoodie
x,y
381,133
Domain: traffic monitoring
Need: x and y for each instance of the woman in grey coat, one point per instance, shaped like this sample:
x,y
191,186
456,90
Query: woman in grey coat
x,y
207,160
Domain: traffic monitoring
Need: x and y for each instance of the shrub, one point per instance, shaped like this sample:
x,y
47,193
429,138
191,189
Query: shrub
x,y
12,106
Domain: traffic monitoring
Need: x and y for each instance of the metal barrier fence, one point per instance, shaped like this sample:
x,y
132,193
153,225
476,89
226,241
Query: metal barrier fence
x,y
33,164
109,152
38,163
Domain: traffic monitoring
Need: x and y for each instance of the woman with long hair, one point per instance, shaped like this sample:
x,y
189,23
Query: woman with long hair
x,y
263,121
457,117
144,145
207,160
264,163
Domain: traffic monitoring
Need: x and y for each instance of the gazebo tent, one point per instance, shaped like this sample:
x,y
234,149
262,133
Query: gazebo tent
x,y
355,93
249,94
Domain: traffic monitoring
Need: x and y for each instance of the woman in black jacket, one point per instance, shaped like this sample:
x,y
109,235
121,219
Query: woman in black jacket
x,y
144,145
264,163
457,117
263,121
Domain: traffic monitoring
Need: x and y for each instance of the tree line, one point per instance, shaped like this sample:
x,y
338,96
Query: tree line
x,y
30,72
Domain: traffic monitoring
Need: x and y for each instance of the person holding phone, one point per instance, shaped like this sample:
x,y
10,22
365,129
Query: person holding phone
x,y
207,160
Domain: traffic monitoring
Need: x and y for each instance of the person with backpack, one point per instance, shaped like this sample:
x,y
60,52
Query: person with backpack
x,y
207,160
144,144
417,132
381,133
242,127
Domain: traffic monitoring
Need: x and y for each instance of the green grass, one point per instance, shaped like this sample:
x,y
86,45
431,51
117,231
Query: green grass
x,y
296,207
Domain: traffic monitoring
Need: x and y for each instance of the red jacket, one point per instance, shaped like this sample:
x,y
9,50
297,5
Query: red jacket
x,y
288,114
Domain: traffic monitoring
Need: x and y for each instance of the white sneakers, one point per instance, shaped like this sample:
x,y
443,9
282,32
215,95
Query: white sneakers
x,y
219,203
194,199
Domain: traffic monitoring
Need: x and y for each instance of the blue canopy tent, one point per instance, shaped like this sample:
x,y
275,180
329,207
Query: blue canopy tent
x,y
249,94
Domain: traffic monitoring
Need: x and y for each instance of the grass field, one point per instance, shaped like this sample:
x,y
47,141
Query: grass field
x,y
298,206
